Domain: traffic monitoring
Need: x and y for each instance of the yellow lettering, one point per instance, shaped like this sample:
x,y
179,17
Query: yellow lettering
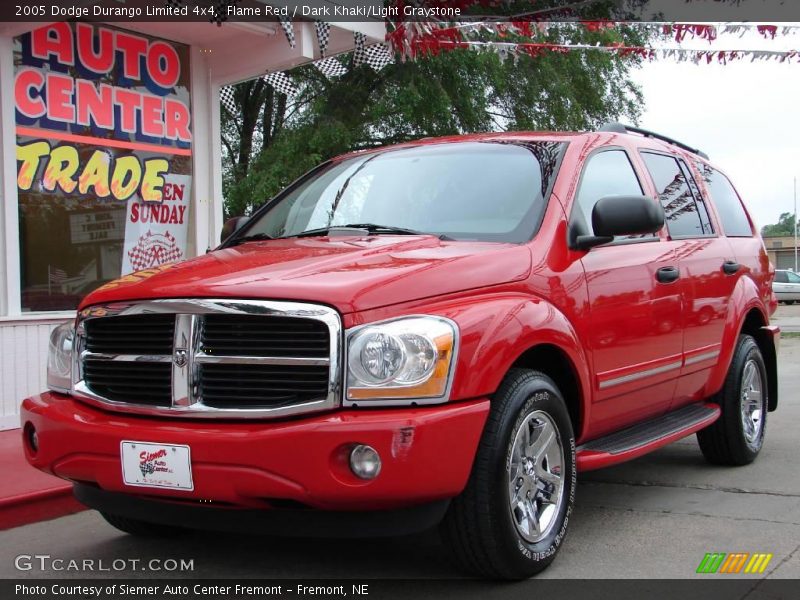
x,y
30,155
152,182
63,164
95,174
127,167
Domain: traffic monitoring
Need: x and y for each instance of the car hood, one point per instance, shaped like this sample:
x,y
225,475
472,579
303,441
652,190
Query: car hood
x,y
349,273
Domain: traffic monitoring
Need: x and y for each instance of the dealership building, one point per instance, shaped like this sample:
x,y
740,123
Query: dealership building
x,y
111,158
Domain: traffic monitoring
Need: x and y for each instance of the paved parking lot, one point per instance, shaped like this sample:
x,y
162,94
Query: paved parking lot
x,y
655,517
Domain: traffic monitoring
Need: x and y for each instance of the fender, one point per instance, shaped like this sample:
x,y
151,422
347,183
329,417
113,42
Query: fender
x,y
745,297
495,330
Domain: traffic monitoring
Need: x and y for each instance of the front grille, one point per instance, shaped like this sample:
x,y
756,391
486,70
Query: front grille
x,y
249,335
137,382
206,358
135,334
261,386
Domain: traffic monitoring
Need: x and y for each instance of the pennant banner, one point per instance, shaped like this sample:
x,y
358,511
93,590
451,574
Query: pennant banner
x,y
323,36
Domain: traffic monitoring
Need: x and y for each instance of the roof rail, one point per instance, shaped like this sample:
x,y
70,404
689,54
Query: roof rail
x,y
620,128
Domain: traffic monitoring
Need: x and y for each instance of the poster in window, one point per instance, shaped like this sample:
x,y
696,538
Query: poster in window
x,y
104,144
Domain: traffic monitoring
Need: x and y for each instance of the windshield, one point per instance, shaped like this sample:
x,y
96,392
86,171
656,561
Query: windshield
x,y
488,191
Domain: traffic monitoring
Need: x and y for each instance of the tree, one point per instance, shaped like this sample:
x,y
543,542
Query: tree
x,y
784,227
455,92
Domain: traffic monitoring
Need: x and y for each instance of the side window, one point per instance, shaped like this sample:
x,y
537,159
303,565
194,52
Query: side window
x,y
792,277
731,212
608,173
781,277
680,206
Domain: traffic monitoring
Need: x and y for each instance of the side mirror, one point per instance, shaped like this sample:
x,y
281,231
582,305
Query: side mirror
x,y
231,226
622,215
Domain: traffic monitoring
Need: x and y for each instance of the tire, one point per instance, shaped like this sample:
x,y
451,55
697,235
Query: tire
x,y
737,436
485,535
142,528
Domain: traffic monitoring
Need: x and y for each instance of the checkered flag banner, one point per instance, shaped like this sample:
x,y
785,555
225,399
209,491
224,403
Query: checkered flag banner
x,y
323,36
378,56
281,83
288,29
221,11
331,67
226,97
360,53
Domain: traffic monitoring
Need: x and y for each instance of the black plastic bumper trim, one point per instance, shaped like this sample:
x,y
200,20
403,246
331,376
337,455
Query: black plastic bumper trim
x,y
280,522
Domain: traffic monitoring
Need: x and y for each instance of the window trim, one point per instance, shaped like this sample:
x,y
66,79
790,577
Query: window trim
x,y
656,236
753,229
678,159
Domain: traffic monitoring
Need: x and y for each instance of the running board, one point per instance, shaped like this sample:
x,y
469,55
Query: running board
x,y
645,437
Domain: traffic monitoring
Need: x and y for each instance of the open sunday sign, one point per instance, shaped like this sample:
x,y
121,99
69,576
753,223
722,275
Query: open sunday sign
x,y
103,87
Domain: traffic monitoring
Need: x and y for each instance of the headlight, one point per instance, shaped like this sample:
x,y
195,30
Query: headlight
x,y
406,358
59,359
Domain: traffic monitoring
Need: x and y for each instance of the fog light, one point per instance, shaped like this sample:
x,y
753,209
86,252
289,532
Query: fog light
x,y
365,462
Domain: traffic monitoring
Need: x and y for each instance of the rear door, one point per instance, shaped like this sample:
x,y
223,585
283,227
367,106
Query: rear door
x,y
708,270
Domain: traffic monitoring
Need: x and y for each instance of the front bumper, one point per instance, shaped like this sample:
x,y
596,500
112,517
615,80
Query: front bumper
x,y
427,454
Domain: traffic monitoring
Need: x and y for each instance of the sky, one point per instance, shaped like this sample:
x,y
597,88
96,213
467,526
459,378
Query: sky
x,y
744,115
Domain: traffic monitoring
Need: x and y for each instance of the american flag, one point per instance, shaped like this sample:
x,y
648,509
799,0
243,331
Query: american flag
x,y
55,275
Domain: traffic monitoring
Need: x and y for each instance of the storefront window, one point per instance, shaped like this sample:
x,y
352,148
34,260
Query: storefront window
x,y
103,158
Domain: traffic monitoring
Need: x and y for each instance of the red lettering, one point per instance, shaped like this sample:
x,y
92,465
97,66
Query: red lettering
x,y
102,61
176,121
128,102
59,98
182,210
163,64
43,44
135,212
152,120
133,48
177,193
94,104
27,80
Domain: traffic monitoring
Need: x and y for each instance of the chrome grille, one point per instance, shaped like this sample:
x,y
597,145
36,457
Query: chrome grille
x,y
209,358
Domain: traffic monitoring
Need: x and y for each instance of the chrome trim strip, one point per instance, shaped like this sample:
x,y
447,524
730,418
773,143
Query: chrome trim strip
x,y
183,345
187,401
152,358
640,375
261,360
701,357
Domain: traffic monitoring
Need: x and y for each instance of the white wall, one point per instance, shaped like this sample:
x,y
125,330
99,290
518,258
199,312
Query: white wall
x,y
23,350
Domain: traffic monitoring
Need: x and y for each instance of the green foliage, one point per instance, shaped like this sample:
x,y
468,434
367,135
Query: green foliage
x,y
456,92
784,227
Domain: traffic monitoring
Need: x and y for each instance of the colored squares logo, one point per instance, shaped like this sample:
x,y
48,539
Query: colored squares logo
x,y
734,563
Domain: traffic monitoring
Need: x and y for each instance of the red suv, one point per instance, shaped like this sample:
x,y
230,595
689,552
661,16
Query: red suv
x,y
444,331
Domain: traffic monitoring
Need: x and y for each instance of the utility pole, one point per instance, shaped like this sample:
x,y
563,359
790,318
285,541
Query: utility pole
x,y
795,224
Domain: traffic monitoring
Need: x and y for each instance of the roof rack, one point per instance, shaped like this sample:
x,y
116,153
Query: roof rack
x,y
620,128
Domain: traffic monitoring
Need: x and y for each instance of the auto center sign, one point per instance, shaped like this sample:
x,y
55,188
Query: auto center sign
x,y
103,124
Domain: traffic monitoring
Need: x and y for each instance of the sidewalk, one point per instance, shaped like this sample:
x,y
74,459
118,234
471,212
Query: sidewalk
x,y
28,495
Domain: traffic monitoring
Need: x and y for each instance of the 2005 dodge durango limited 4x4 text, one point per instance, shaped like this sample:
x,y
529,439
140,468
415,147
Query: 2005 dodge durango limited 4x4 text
x,y
441,332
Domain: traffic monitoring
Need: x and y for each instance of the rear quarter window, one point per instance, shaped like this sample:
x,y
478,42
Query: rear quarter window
x,y
729,207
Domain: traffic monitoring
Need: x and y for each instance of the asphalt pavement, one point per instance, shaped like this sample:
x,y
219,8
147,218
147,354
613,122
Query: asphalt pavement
x,y
655,517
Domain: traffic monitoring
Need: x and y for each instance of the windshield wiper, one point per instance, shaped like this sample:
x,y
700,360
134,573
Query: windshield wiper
x,y
256,237
370,228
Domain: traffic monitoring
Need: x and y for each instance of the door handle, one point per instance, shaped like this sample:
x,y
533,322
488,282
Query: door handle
x,y
668,274
730,267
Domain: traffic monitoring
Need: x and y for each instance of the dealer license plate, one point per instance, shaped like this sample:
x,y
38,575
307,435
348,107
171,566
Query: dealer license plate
x,y
146,464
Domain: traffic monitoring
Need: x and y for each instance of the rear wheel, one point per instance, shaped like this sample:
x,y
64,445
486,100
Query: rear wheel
x,y
512,518
142,528
737,436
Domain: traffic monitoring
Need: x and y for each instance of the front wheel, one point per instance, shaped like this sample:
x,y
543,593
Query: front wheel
x,y
737,436
512,518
